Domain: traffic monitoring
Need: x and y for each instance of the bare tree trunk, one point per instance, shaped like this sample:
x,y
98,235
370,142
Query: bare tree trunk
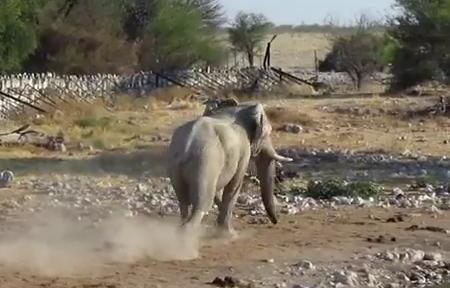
x,y
251,58
359,80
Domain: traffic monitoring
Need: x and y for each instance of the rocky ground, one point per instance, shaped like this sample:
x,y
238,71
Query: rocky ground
x,y
398,239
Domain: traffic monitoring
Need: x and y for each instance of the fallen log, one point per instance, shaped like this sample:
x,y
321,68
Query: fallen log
x,y
26,136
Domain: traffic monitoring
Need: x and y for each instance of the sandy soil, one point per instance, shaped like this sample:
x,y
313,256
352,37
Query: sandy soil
x,y
322,237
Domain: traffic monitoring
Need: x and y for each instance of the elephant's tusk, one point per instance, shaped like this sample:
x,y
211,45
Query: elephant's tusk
x,y
280,158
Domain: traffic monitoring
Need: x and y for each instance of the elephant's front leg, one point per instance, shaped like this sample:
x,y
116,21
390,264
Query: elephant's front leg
x,y
229,197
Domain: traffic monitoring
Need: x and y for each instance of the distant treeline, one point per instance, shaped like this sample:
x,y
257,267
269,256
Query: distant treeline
x,y
317,28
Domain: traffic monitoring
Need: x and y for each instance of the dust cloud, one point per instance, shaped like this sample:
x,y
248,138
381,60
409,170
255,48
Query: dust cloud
x,y
57,244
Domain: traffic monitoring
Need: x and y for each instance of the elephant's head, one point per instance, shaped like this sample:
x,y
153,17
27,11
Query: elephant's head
x,y
254,120
214,105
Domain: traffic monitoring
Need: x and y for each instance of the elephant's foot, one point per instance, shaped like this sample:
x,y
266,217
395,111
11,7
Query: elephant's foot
x,y
226,233
188,255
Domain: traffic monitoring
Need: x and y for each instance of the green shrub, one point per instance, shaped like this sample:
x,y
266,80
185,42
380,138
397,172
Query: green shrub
x,y
334,188
92,122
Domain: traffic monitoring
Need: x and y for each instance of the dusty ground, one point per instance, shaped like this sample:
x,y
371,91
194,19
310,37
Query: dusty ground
x,y
323,237
326,237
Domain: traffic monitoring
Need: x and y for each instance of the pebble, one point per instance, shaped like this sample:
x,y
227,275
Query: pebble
x,y
307,265
292,128
346,278
6,178
433,256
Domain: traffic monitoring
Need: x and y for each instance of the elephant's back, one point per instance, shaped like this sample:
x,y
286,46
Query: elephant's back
x,y
191,138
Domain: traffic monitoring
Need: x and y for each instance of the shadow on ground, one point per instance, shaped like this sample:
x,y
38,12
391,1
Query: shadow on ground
x,y
150,161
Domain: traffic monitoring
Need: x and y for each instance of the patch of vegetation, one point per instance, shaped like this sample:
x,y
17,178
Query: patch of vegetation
x,y
282,116
92,122
328,189
98,144
358,54
423,181
446,285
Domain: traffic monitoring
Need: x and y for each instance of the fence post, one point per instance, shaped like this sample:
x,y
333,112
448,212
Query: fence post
x,y
316,66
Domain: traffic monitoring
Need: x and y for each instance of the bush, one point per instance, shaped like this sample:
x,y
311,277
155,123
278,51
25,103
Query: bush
x,y
357,54
103,36
92,122
334,188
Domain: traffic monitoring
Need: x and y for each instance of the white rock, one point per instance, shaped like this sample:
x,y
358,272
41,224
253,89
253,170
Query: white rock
x,y
349,278
433,256
307,265
415,255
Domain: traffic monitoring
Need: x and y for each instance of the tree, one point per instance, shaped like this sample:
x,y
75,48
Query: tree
x,y
87,36
81,36
17,32
177,38
247,33
358,53
211,11
422,31
140,13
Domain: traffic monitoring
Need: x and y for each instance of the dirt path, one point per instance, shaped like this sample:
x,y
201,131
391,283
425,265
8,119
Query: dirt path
x,y
322,237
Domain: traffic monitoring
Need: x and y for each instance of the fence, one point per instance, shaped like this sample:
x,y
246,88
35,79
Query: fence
x,y
42,90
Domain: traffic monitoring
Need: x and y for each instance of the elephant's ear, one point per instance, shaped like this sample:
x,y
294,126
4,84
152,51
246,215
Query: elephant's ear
x,y
260,127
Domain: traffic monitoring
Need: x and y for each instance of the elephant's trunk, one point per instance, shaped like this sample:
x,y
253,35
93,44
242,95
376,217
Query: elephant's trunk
x,y
265,166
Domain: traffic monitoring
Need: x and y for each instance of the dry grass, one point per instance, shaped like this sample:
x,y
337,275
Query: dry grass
x,y
142,122
377,131
130,122
284,115
290,50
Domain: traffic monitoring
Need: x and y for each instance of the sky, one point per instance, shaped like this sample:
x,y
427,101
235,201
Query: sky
x,y
296,12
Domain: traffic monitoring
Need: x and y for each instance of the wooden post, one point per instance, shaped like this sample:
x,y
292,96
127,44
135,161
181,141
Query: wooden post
x,y
267,55
316,66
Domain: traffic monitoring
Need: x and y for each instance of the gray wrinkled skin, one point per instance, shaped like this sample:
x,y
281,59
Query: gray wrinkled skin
x,y
208,158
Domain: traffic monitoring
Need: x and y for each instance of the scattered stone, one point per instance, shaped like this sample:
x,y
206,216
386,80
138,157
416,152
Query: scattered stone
x,y
6,178
427,228
395,219
306,265
292,128
230,282
346,278
432,256
381,239
281,285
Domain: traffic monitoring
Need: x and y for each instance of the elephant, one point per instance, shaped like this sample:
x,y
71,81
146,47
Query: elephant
x,y
209,156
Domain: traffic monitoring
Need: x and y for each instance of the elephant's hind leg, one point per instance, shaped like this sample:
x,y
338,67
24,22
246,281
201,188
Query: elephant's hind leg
x,y
203,194
181,190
